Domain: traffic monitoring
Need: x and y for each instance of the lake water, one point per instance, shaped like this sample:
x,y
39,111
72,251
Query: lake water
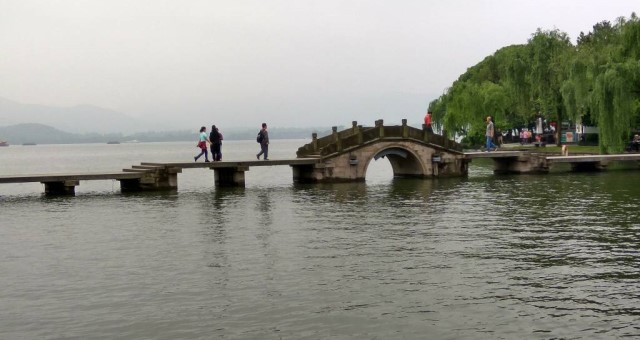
x,y
482,257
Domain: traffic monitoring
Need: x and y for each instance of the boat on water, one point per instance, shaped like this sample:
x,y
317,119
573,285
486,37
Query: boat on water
x,y
4,143
29,143
113,142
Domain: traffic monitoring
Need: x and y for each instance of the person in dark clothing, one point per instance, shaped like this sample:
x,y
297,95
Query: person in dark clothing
x,y
263,139
215,137
635,143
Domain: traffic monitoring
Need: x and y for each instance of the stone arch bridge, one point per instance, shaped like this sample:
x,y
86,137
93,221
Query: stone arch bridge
x,y
345,155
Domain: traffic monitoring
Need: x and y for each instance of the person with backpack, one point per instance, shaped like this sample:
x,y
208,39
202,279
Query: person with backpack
x,y
263,139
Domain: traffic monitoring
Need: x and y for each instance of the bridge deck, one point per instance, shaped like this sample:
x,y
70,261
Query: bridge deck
x,y
593,158
44,178
556,159
494,154
235,164
138,171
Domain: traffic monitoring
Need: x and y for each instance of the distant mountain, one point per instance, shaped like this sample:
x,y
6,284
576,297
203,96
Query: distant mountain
x,y
34,133
77,119
43,134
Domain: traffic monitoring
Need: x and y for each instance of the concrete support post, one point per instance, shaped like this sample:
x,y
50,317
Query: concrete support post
x,y
354,127
161,179
230,177
306,174
588,166
130,185
360,136
520,165
64,188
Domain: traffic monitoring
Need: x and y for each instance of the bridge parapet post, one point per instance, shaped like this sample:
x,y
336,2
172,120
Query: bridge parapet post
x,y
314,141
426,135
336,138
405,129
426,130
380,127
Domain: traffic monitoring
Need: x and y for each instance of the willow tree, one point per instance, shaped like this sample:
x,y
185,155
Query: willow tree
x,y
631,49
577,89
615,104
549,52
515,66
462,101
498,86
598,78
480,92
616,92
603,81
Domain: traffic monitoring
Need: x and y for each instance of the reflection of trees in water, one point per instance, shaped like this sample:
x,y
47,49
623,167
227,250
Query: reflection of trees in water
x,y
361,193
563,219
361,205
414,188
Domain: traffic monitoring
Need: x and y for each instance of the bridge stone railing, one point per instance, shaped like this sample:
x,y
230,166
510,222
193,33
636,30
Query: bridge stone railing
x,y
357,135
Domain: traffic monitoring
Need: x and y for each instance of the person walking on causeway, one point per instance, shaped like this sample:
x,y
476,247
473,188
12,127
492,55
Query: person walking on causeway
x,y
202,144
263,139
489,135
215,137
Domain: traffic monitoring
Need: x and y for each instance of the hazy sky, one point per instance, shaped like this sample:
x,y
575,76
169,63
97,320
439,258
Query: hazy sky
x,y
289,63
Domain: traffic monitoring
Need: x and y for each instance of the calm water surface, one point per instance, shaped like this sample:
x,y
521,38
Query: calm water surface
x,y
482,257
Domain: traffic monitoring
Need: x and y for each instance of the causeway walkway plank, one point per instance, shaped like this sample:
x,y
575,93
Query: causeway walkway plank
x,y
146,167
69,177
594,158
235,164
494,154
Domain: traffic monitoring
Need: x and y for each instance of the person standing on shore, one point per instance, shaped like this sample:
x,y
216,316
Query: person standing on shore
x,y
263,139
216,144
202,144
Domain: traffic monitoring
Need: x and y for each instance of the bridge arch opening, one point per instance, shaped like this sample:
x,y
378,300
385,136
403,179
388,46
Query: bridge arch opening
x,y
400,163
379,170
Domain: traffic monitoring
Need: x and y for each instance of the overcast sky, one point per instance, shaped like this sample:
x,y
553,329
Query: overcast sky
x,y
293,63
